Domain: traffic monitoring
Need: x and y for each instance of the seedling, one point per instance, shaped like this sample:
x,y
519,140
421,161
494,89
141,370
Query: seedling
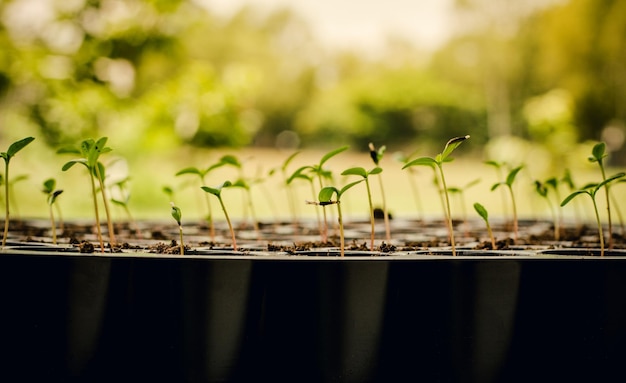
x,y
290,197
542,189
325,198
438,162
319,171
7,156
598,153
510,179
242,183
91,151
51,196
377,155
591,190
218,193
301,174
123,203
499,166
177,215
202,175
480,209
365,175
460,191
245,185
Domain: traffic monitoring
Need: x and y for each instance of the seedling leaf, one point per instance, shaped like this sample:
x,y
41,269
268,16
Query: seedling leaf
x,y
574,194
18,145
427,161
331,154
451,145
355,171
598,152
480,209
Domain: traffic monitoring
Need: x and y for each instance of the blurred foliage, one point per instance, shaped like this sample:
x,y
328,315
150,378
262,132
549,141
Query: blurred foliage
x,y
161,72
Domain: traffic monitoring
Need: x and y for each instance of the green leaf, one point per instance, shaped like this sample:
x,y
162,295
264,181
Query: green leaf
x,y
497,185
48,185
68,150
376,170
541,189
18,145
298,174
348,186
190,170
355,172
610,179
512,174
118,202
495,164
289,159
574,194
331,154
480,209
176,213
230,160
598,152
71,163
451,145
326,194
423,161
53,197
215,191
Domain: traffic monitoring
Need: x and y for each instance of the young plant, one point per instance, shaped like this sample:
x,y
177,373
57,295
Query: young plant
x,y
178,215
365,175
377,155
202,175
301,174
438,162
542,189
218,193
7,156
325,198
123,201
480,209
460,191
91,151
400,157
51,196
598,153
499,166
591,190
242,183
319,171
245,185
510,179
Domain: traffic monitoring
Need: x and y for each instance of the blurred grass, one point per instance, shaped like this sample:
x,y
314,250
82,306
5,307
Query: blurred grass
x,y
149,172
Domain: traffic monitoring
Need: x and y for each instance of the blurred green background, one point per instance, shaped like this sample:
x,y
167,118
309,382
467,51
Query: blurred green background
x,y
174,83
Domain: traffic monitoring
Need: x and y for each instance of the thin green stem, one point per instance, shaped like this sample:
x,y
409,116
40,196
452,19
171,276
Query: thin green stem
x,y
53,226
493,240
341,236
95,204
515,225
325,223
608,205
105,200
385,212
372,221
182,242
230,225
448,212
600,232
6,198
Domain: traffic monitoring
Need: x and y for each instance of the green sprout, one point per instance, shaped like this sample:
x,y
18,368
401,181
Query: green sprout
x,y
510,179
51,195
246,186
121,185
177,215
365,175
325,198
438,161
202,175
301,174
542,189
7,156
480,209
598,153
242,183
591,190
498,166
289,190
460,191
377,156
319,171
218,193
91,151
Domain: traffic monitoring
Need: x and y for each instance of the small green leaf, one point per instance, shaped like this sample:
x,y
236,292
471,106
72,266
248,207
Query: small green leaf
x,y
68,150
299,174
74,162
355,172
331,154
376,170
230,160
215,191
451,145
424,161
176,213
289,159
118,202
574,194
48,185
480,209
18,145
348,186
190,170
512,174
53,196
598,152
326,194
541,189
